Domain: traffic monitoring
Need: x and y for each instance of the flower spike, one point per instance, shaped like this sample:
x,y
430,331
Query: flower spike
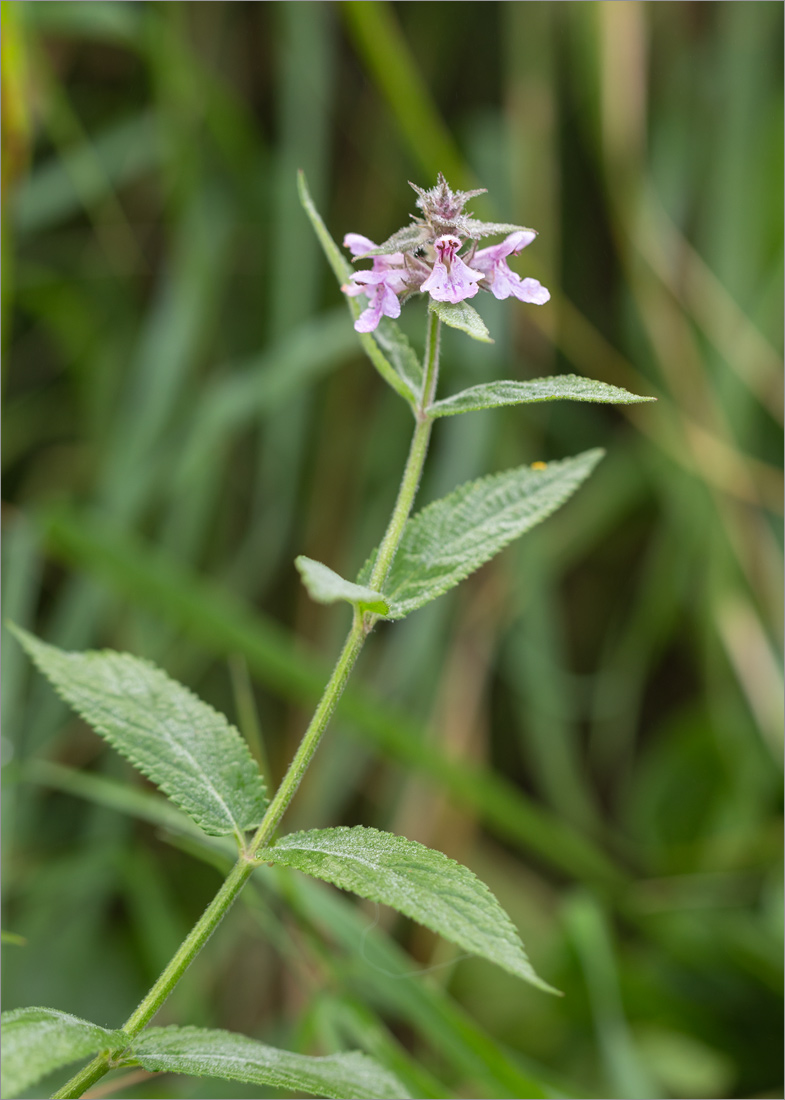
x,y
424,258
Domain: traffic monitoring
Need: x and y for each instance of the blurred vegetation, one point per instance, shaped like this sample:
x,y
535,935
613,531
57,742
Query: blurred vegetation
x,y
593,722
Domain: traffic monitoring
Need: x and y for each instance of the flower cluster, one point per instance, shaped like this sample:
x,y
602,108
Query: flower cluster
x,y
423,258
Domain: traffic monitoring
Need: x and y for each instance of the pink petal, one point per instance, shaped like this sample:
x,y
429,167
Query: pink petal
x,y
454,285
383,303
501,281
520,239
530,290
357,244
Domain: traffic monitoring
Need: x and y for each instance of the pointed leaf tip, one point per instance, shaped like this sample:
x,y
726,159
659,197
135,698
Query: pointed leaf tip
x,y
208,1052
190,751
420,882
560,387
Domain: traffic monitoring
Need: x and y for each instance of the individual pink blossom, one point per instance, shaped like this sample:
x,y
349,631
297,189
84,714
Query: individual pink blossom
x,y
501,281
381,284
451,279
381,289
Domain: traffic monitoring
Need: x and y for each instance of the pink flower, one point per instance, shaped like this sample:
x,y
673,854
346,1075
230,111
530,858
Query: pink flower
x,y
503,282
381,289
451,279
381,284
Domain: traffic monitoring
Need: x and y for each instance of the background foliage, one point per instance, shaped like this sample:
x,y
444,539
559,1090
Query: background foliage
x,y
593,722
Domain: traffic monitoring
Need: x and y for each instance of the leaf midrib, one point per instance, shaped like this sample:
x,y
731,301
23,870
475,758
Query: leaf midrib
x,y
450,546
180,750
510,936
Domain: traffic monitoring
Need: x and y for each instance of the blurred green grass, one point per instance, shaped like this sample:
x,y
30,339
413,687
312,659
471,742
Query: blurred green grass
x,y
594,722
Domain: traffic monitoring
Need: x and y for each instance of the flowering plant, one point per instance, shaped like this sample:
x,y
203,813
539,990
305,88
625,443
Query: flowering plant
x,y
200,762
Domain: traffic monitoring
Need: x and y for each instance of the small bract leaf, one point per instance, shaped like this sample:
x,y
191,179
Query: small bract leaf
x,y
185,747
562,387
462,316
476,229
421,883
204,1052
343,272
407,239
452,537
39,1040
326,586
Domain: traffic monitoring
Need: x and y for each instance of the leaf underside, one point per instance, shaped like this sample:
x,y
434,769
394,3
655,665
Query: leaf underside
x,y
37,1041
185,747
421,883
452,537
562,387
205,1052
326,586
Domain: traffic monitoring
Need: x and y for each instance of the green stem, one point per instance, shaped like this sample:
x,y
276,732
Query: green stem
x,y
361,627
313,735
187,951
431,372
414,464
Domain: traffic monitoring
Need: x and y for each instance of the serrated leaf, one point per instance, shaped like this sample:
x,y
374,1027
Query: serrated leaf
x,y
421,883
205,1052
185,747
343,272
408,239
326,586
462,316
395,344
562,387
477,229
452,537
39,1040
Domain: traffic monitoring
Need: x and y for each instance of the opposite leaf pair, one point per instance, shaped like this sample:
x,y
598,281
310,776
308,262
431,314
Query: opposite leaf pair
x,y
452,537
37,1041
201,762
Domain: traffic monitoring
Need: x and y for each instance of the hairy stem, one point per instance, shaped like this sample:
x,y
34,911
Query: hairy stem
x,y
186,952
414,464
361,627
312,737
